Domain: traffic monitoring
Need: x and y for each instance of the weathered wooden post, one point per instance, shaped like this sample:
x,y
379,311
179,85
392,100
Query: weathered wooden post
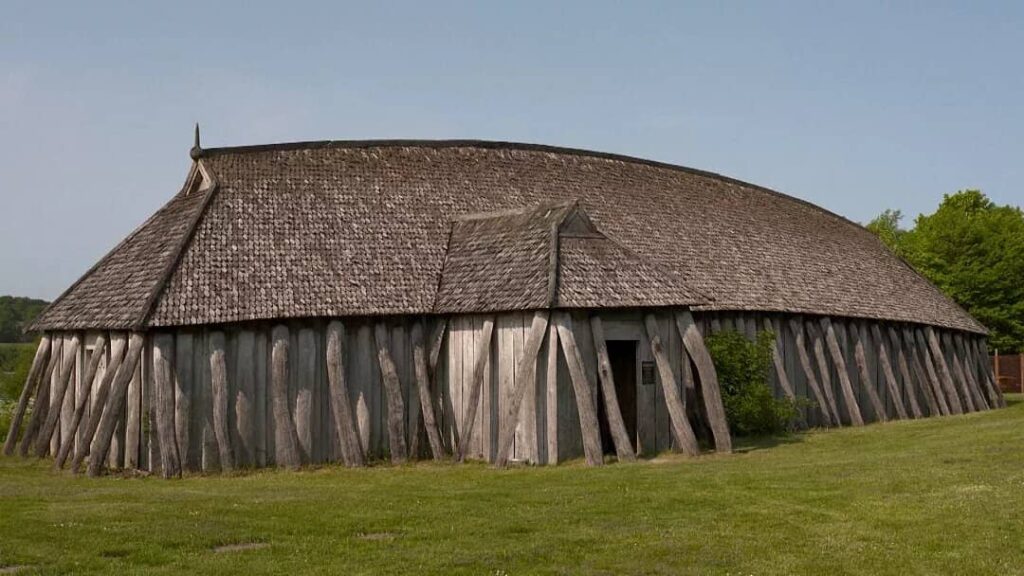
x,y
583,389
423,388
620,436
163,388
31,385
219,386
344,420
67,370
115,402
68,443
483,353
695,350
682,432
285,441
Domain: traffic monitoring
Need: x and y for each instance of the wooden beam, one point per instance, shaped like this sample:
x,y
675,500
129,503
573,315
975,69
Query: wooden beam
x,y
341,406
220,388
962,354
972,399
617,426
939,360
68,443
163,390
986,369
424,372
890,377
527,367
824,370
901,361
31,388
944,392
682,432
780,365
41,404
956,373
115,402
483,353
305,380
921,349
118,343
67,369
393,393
551,395
797,327
245,398
286,444
712,394
852,408
582,389
980,365
929,386
866,381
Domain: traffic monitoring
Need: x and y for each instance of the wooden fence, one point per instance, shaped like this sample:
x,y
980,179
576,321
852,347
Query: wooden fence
x,y
1009,371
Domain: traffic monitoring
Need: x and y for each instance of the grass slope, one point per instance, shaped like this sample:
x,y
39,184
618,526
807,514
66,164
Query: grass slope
x,y
943,495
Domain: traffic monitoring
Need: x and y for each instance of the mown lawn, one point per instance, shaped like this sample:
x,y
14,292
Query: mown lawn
x,y
944,495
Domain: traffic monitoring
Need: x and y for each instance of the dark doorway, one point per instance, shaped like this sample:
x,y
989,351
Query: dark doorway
x,y
622,357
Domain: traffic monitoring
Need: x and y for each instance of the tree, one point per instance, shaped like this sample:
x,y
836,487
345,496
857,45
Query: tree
x,y
973,250
15,314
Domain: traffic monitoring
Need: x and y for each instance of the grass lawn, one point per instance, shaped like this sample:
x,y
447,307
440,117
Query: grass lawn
x,y
943,495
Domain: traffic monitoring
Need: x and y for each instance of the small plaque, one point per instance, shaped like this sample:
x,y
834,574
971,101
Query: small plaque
x,y
648,376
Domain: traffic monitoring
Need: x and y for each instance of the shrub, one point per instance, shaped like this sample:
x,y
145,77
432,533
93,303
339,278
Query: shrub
x,y
743,369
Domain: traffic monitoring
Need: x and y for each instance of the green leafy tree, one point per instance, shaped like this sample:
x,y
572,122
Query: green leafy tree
x,y
973,250
15,314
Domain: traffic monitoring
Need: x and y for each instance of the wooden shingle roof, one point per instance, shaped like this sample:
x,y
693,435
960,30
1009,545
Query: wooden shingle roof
x,y
362,228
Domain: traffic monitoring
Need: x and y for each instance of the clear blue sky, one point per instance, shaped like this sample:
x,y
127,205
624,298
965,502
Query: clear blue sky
x,y
856,106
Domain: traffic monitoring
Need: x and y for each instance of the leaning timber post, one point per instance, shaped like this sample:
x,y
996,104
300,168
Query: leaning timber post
x,y
937,365
682,432
68,443
286,443
973,399
982,364
582,389
797,327
304,393
966,364
41,404
950,357
527,366
115,403
67,370
393,393
693,342
926,374
992,377
163,389
866,381
31,385
483,353
423,371
620,437
436,342
852,408
972,368
780,365
824,370
118,344
890,376
220,389
341,407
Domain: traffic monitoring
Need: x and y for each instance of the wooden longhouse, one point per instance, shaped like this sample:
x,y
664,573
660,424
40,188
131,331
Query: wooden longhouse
x,y
346,302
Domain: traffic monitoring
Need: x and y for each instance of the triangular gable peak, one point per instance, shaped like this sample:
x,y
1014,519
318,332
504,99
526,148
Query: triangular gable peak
x,y
550,255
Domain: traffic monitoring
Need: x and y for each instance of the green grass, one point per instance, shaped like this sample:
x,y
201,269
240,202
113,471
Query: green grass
x,y
943,495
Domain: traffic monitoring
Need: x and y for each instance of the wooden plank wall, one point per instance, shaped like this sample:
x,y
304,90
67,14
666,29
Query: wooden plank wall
x,y
548,427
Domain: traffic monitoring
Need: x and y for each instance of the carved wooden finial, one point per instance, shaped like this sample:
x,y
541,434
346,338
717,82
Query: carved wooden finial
x,y
197,151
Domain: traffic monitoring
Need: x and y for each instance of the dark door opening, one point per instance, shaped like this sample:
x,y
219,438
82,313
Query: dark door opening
x,y
622,357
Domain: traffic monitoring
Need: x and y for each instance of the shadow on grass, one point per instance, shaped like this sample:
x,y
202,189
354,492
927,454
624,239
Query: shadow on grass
x,y
745,444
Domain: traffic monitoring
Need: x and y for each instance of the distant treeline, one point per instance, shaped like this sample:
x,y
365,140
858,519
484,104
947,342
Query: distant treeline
x,y
15,313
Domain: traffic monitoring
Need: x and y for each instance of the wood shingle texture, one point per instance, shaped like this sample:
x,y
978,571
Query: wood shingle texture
x,y
363,228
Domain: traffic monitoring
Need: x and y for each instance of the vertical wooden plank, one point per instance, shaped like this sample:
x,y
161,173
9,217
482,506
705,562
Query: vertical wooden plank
x,y
286,442
482,355
551,395
261,388
824,371
245,399
42,401
76,439
528,375
361,362
105,373
305,380
646,403
133,427
49,432
909,390
617,426
211,449
163,374
505,370
426,366
524,387
777,360
220,396
663,437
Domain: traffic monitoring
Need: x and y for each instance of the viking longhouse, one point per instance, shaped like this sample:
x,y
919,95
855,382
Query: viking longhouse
x,y
353,301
